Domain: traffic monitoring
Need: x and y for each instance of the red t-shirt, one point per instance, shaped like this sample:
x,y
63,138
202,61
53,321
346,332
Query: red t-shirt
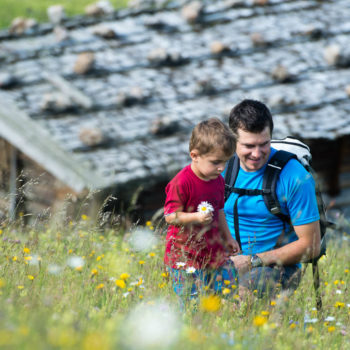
x,y
195,245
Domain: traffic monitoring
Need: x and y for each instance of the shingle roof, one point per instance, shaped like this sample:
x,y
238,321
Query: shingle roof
x,y
159,75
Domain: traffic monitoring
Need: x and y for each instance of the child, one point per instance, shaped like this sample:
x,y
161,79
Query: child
x,y
198,240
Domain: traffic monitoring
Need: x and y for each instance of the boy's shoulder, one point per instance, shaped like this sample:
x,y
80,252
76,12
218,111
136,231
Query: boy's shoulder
x,y
182,176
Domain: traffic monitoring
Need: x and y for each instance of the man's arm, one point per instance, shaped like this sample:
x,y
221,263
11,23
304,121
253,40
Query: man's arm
x,y
307,246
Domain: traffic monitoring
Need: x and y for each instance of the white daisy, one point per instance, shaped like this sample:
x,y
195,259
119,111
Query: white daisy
x,y
191,270
180,264
205,207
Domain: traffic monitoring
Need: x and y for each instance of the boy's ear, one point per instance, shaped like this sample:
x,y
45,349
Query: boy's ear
x,y
194,154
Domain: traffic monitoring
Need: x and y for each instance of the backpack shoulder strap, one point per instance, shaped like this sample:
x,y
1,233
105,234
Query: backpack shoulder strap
x,y
271,175
231,174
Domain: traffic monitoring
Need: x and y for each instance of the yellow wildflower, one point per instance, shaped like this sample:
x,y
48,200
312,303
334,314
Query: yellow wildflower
x,y
94,272
124,276
149,223
265,313
28,258
342,282
139,282
141,296
326,283
30,277
336,282
70,251
14,258
310,329
346,270
292,325
79,268
162,285
141,262
273,303
120,283
26,250
338,304
0,232
331,329
165,274
211,303
152,255
227,282
2,283
259,321
100,286
20,287
226,291
84,217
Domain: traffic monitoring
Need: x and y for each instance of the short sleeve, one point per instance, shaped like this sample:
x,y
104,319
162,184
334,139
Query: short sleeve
x,y
176,195
301,197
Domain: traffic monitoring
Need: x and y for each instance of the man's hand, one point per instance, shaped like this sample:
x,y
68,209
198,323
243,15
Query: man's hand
x,y
241,262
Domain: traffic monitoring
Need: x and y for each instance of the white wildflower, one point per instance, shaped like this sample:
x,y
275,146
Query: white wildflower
x,y
54,269
180,264
143,239
191,270
75,262
205,208
329,319
147,324
338,291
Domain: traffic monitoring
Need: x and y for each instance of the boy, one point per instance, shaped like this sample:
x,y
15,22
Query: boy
x,y
198,240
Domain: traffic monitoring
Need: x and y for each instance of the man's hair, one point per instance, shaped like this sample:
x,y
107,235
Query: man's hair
x,y
251,116
212,135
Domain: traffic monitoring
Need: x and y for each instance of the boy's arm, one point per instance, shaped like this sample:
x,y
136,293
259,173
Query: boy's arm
x,y
230,241
182,218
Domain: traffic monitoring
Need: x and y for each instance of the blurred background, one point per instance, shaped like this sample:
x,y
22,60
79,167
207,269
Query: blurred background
x,y
97,100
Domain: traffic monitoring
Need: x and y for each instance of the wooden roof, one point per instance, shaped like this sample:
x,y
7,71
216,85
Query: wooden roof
x,y
122,113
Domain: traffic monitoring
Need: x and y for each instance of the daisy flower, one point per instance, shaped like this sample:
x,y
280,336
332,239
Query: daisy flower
x,y
180,264
191,270
205,207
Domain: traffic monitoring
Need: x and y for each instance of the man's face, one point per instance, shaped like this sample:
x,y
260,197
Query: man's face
x,y
208,166
253,149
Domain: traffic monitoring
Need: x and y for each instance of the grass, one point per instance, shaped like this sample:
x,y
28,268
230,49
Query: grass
x,y
37,8
78,287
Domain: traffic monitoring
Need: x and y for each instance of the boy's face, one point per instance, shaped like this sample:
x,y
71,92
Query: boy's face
x,y
208,166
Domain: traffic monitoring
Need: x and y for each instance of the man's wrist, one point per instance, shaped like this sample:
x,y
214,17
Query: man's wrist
x,y
255,261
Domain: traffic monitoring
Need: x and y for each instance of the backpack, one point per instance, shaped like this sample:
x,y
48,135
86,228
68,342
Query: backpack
x,y
287,149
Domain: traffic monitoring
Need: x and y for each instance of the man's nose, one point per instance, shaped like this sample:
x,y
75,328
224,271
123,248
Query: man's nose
x,y
256,152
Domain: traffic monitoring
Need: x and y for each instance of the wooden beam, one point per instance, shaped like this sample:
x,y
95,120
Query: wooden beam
x,y
68,89
34,141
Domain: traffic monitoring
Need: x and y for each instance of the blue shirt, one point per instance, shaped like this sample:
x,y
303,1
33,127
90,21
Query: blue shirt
x,y
259,229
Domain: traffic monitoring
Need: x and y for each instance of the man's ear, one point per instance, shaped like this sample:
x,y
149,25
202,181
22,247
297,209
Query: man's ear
x,y
194,154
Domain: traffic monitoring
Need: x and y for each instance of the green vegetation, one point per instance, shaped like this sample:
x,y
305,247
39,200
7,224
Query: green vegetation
x,y
37,8
80,287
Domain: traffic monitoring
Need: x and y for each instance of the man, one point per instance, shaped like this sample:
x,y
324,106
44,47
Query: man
x,y
265,262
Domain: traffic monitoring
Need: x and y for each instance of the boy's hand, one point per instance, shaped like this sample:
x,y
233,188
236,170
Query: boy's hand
x,y
233,246
205,219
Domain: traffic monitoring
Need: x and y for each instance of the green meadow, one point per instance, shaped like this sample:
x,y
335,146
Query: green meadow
x,y
36,9
83,287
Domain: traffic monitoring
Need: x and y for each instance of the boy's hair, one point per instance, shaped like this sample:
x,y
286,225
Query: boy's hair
x,y
212,135
251,116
